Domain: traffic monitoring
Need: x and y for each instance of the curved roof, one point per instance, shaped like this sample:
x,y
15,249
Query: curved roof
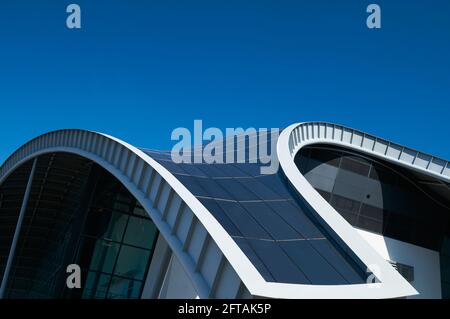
x,y
268,221
282,239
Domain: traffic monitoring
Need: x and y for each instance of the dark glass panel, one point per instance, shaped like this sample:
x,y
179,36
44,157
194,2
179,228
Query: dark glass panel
x,y
297,218
232,170
262,191
236,190
345,204
103,255
273,223
246,224
122,288
250,169
256,261
85,224
277,184
140,232
192,184
311,263
172,167
372,212
282,268
221,216
342,265
382,174
212,171
192,169
106,224
330,157
132,262
96,285
355,165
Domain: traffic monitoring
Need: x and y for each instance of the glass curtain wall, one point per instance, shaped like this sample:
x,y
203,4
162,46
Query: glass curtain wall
x,y
81,214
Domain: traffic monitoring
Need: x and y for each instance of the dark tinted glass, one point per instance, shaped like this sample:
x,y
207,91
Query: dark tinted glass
x,y
356,166
246,224
381,197
282,268
312,264
103,230
297,218
236,190
277,227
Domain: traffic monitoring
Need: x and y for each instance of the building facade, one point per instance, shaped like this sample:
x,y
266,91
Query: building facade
x,y
347,215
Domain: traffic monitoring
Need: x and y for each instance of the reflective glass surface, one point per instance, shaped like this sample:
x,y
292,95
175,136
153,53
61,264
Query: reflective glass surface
x,y
80,214
266,218
377,196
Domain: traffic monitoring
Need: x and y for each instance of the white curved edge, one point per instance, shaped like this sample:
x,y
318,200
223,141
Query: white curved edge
x,y
392,284
244,268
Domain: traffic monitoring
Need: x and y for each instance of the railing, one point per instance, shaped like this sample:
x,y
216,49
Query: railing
x,y
320,132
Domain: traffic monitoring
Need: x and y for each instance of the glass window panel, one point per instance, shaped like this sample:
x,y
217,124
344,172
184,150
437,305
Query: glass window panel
x,y
104,256
122,288
382,174
124,197
132,262
352,274
249,169
355,165
121,207
172,167
192,169
96,285
236,189
140,211
297,217
212,170
256,261
276,184
191,183
140,232
372,212
343,203
213,188
271,221
312,264
277,262
261,190
221,217
232,170
97,221
243,221
116,227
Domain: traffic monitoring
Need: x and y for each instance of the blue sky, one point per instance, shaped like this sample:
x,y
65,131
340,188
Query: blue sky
x,y
139,69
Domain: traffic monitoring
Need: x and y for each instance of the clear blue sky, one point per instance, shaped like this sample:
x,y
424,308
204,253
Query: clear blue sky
x,y
139,69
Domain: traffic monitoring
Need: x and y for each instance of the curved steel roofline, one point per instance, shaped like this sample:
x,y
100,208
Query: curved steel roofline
x,y
299,135
130,165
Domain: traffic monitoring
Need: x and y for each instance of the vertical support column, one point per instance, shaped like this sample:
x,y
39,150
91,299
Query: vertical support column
x,y
17,231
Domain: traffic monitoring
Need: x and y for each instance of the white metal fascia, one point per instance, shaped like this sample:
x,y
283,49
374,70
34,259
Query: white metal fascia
x,y
300,135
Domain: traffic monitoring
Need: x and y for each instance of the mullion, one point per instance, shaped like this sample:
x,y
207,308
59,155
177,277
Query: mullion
x,y
118,254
